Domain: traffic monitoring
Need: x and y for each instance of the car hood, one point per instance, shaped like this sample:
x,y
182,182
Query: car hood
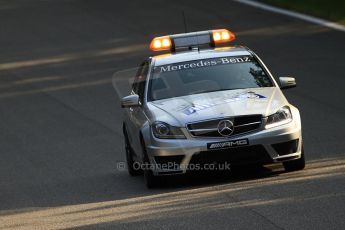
x,y
191,108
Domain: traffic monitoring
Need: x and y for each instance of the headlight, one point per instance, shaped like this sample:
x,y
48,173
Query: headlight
x,y
164,131
281,117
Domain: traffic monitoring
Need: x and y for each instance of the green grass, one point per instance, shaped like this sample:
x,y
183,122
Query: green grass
x,y
333,10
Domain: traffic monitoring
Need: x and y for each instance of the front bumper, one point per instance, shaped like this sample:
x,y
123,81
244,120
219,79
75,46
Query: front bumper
x,y
272,145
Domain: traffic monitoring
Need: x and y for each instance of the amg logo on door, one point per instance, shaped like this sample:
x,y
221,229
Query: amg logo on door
x,y
227,144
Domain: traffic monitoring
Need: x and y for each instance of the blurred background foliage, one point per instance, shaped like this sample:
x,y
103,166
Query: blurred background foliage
x,y
333,10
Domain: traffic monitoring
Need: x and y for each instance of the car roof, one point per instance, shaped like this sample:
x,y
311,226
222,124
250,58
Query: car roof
x,y
166,59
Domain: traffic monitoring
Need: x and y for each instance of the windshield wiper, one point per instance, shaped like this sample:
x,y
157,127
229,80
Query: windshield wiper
x,y
210,91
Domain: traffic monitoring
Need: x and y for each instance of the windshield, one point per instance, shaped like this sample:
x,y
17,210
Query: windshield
x,y
207,75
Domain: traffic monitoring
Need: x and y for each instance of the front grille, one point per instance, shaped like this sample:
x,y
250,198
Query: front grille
x,y
209,128
239,155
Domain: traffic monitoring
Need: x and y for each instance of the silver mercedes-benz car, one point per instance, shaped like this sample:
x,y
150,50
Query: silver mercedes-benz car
x,y
205,104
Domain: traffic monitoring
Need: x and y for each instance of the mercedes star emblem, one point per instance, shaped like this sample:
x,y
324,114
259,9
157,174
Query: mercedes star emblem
x,y
225,128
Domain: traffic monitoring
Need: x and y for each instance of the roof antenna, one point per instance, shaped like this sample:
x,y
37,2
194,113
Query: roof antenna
x,y
186,30
184,22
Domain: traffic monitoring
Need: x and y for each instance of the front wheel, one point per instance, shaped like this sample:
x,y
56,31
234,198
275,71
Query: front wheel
x,y
295,165
130,163
129,157
151,181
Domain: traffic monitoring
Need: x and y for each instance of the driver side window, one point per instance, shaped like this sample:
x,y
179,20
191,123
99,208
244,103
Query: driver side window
x,y
138,86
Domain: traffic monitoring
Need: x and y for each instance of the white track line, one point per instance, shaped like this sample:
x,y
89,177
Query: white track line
x,y
304,17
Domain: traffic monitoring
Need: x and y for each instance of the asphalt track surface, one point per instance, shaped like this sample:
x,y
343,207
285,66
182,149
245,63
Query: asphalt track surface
x,y
60,120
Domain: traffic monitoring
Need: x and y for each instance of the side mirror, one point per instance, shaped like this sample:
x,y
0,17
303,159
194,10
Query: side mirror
x,y
287,82
130,101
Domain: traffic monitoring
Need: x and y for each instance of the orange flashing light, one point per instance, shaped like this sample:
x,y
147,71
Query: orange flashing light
x,y
222,35
161,43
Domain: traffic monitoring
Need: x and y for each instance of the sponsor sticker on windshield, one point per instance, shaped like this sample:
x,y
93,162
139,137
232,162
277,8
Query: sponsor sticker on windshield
x,y
202,63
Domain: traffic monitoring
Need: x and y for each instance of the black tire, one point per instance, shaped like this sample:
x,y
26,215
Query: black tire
x,y
295,165
151,181
129,157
